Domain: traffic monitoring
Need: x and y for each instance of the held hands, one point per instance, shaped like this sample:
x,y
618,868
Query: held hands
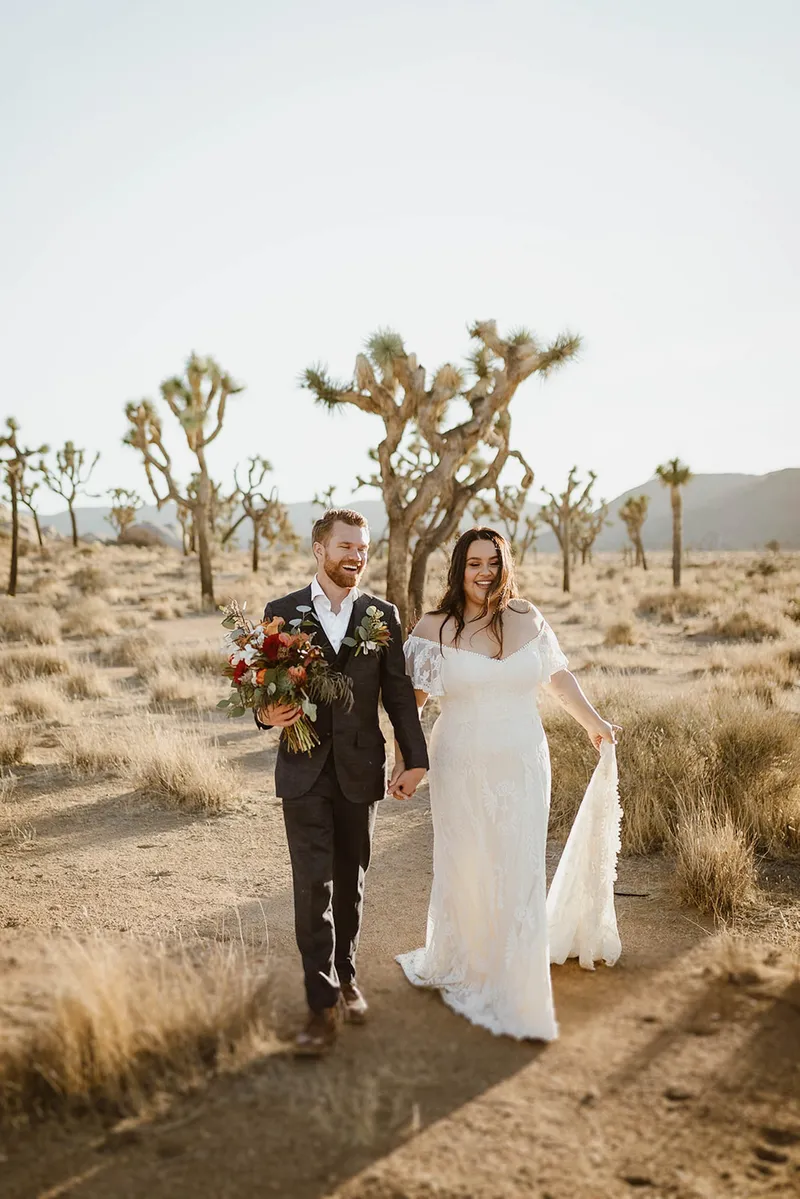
x,y
404,783
281,715
603,731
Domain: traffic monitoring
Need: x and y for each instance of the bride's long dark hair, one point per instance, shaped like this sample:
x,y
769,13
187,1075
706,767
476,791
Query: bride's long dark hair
x,y
504,588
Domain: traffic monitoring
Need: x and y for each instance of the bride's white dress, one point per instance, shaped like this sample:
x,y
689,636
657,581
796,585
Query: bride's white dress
x,y
488,946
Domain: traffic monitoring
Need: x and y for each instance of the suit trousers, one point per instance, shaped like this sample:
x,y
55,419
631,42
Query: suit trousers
x,y
330,841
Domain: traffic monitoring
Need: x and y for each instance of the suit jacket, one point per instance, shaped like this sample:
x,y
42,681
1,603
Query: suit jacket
x,y
354,738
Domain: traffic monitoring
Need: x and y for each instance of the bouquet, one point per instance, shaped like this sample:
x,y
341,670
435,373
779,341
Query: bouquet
x,y
269,666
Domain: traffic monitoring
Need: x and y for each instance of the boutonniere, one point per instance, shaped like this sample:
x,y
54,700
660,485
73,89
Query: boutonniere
x,y
371,636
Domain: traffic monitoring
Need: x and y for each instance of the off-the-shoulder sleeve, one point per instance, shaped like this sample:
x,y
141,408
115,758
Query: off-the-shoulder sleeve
x,y
424,665
552,656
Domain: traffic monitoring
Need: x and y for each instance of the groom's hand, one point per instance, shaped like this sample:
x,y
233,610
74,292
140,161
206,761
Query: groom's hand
x,y
282,715
406,784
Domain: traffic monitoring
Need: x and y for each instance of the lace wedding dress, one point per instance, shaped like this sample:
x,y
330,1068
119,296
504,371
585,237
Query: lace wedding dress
x,y
492,929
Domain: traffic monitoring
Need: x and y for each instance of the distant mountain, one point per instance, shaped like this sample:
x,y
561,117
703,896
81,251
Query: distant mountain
x,y
720,512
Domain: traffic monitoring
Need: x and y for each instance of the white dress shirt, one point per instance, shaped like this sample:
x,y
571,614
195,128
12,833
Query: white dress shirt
x,y
334,623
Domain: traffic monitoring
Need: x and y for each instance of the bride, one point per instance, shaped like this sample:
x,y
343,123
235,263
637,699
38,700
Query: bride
x,y
486,652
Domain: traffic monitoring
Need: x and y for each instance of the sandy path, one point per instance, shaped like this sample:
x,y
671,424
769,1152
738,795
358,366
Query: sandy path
x,y
419,1104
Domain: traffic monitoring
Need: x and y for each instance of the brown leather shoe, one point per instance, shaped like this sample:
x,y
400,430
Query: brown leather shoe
x,y
354,1005
319,1035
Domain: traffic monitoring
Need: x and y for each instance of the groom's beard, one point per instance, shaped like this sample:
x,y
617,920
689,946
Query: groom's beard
x,y
341,577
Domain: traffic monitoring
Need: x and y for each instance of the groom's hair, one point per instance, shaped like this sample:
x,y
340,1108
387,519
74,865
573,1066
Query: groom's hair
x,y
322,527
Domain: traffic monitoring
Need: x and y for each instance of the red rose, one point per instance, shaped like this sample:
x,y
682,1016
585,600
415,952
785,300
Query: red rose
x,y
271,647
239,669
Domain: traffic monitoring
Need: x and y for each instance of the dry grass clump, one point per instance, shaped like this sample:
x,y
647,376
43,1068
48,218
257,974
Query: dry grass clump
x,y
38,700
17,666
90,617
667,606
164,612
778,665
672,752
621,633
180,770
167,687
99,749
714,863
86,682
203,660
743,625
117,1022
8,787
132,620
15,741
35,624
142,650
91,580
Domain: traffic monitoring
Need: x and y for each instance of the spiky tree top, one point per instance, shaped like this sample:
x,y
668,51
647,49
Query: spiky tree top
x,y
389,382
674,473
199,396
634,512
18,460
72,472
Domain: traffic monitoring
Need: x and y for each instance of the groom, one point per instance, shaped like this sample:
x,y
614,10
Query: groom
x,y
330,796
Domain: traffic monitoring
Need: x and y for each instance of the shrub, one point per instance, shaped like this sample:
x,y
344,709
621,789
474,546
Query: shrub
x,y
666,606
167,687
764,568
203,661
99,749
144,651
619,634
683,749
743,626
714,863
36,624
86,682
15,740
17,666
90,617
39,700
115,1023
180,770
90,580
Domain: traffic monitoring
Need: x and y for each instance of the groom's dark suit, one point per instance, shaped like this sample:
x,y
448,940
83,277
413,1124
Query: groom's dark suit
x,y
330,795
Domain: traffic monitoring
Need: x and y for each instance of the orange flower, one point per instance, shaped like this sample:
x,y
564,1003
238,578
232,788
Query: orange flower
x,y
285,639
297,674
260,676
273,626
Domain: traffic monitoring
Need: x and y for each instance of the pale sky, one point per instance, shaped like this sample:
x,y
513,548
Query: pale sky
x,y
270,182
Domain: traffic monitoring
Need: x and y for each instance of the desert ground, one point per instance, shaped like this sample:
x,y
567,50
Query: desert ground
x,y
148,975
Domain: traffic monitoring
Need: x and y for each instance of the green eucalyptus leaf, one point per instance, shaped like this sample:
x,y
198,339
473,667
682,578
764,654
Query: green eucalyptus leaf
x,y
237,712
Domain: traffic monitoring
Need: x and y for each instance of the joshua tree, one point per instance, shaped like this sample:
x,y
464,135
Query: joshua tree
x,y
633,514
675,475
192,398
270,518
324,499
184,515
27,490
563,513
15,466
507,511
70,477
124,506
390,383
588,526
